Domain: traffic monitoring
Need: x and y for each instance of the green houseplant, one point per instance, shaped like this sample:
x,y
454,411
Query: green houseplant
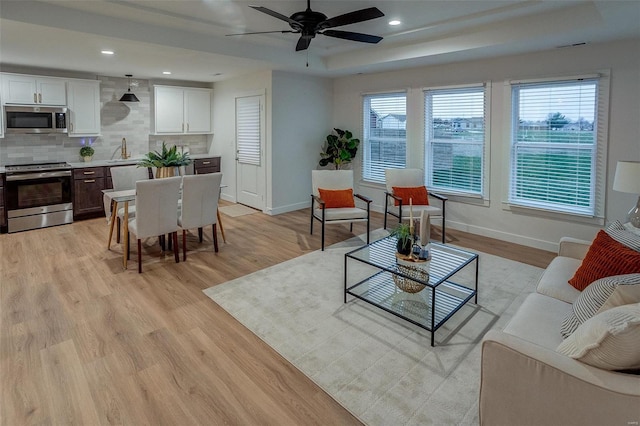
x,y
405,241
165,161
340,148
86,152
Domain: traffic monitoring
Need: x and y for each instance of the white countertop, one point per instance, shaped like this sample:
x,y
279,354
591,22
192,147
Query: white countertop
x,y
108,163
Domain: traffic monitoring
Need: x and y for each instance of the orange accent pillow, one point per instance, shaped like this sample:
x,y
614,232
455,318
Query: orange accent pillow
x,y
418,195
606,257
337,198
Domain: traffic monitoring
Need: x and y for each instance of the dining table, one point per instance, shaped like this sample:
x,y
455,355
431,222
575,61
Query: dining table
x,y
124,197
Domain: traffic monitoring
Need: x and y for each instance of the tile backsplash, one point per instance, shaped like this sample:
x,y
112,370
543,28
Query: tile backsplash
x,y
119,120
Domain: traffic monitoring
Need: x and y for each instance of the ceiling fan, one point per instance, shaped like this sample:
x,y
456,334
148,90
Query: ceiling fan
x,y
309,23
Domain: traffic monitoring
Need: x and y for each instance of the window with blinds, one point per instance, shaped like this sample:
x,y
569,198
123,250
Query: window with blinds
x,y
554,145
248,130
384,134
455,139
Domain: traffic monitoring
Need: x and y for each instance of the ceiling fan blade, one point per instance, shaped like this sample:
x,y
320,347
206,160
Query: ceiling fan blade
x,y
263,32
348,35
351,18
277,15
303,43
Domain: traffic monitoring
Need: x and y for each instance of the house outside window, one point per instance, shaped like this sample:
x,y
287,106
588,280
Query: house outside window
x,y
384,134
557,149
455,134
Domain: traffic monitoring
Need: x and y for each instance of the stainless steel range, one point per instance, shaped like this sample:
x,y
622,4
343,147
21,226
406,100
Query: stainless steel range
x,y
38,195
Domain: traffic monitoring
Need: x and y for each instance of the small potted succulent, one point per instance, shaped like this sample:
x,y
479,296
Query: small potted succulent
x,y
87,151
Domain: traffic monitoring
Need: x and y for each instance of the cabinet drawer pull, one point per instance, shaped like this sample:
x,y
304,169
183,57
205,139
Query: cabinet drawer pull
x,y
39,97
89,173
89,181
206,162
35,98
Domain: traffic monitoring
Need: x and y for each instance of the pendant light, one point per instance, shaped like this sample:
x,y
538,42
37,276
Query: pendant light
x,y
129,97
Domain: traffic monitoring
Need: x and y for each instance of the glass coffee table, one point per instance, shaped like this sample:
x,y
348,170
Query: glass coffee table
x,y
429,299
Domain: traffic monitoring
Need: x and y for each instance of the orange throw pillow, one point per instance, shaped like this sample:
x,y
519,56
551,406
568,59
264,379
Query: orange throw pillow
x,y
337,198
606,257
418,195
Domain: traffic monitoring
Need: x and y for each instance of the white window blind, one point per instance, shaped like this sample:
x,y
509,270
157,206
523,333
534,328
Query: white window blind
x,y
248,129
554,146
384,134
455,139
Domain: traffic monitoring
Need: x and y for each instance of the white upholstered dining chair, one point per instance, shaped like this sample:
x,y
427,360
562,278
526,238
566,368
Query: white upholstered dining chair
x,y
331,203
122,179
199,206
156,212
394,204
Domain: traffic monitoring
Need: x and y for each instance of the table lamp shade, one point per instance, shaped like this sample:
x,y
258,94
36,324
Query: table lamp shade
x,y
627,177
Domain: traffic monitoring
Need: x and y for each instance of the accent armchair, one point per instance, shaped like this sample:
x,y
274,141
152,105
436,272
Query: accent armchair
x,y
333,200
394,204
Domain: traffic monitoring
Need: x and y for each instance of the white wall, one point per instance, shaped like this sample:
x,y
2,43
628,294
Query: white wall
x,y
536,230
224,118
301,121
297,119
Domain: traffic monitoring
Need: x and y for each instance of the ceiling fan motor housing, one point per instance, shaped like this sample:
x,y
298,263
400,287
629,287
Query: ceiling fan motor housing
x,y
308,22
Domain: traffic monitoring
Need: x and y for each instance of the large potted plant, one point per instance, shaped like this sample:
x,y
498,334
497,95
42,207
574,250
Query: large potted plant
x,y
340,148
166,161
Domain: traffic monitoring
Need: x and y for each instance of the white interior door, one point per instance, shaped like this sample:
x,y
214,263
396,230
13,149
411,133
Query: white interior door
x,y
250,168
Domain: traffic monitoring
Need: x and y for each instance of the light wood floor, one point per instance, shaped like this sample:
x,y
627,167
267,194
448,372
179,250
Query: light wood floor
x,y
84,342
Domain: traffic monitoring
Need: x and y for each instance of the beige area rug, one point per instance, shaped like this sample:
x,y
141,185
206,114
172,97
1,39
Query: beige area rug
x,y
379,367
236,210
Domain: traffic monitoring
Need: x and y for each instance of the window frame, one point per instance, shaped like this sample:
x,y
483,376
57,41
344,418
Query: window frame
x,y
365,173
460,195
599,158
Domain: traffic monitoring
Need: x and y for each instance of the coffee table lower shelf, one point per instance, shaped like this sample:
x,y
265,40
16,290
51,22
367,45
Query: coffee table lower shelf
x,y
381,291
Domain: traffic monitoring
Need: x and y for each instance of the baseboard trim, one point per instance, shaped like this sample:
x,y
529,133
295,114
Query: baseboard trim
x,y
288,208
504,236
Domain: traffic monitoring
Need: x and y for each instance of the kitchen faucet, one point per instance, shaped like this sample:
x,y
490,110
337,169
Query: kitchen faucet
x,y
123,149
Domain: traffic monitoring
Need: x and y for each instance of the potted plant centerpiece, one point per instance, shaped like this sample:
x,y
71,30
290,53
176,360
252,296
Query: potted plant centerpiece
x,y
87,151
339,149
166,161
405,240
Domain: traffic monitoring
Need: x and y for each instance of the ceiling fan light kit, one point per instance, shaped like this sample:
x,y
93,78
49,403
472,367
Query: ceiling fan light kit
x,y
309,23
129,97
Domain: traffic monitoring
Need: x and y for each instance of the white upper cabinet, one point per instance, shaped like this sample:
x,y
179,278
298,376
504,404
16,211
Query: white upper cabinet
x,y
84,107
33,90
180,110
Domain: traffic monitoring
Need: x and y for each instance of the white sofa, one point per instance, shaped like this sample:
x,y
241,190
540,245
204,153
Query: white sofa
x,y
524,381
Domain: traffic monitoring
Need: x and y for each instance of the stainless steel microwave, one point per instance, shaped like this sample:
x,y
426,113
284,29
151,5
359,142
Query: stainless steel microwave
x,y
35,119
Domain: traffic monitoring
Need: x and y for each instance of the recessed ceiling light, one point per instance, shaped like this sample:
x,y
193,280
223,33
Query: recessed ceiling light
x,y
395,22
107,52
166,72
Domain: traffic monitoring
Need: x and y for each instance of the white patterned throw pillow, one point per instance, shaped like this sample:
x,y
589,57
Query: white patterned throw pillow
x,y
600,295
610,340
618,232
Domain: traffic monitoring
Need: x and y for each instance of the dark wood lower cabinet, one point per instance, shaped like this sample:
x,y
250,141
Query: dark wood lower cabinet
x,y
88,184
203,166
3,214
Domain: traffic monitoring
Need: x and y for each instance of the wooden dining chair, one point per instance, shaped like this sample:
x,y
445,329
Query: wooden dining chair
x,y
156,212
199,207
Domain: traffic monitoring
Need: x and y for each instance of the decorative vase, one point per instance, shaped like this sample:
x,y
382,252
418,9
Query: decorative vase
x,y
88,158
404,246
163,172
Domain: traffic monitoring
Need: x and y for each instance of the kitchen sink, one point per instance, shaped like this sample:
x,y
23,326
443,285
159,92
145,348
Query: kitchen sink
x,y
122,160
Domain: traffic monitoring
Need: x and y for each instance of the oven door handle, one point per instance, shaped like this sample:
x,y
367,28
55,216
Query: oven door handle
x,y
39,175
